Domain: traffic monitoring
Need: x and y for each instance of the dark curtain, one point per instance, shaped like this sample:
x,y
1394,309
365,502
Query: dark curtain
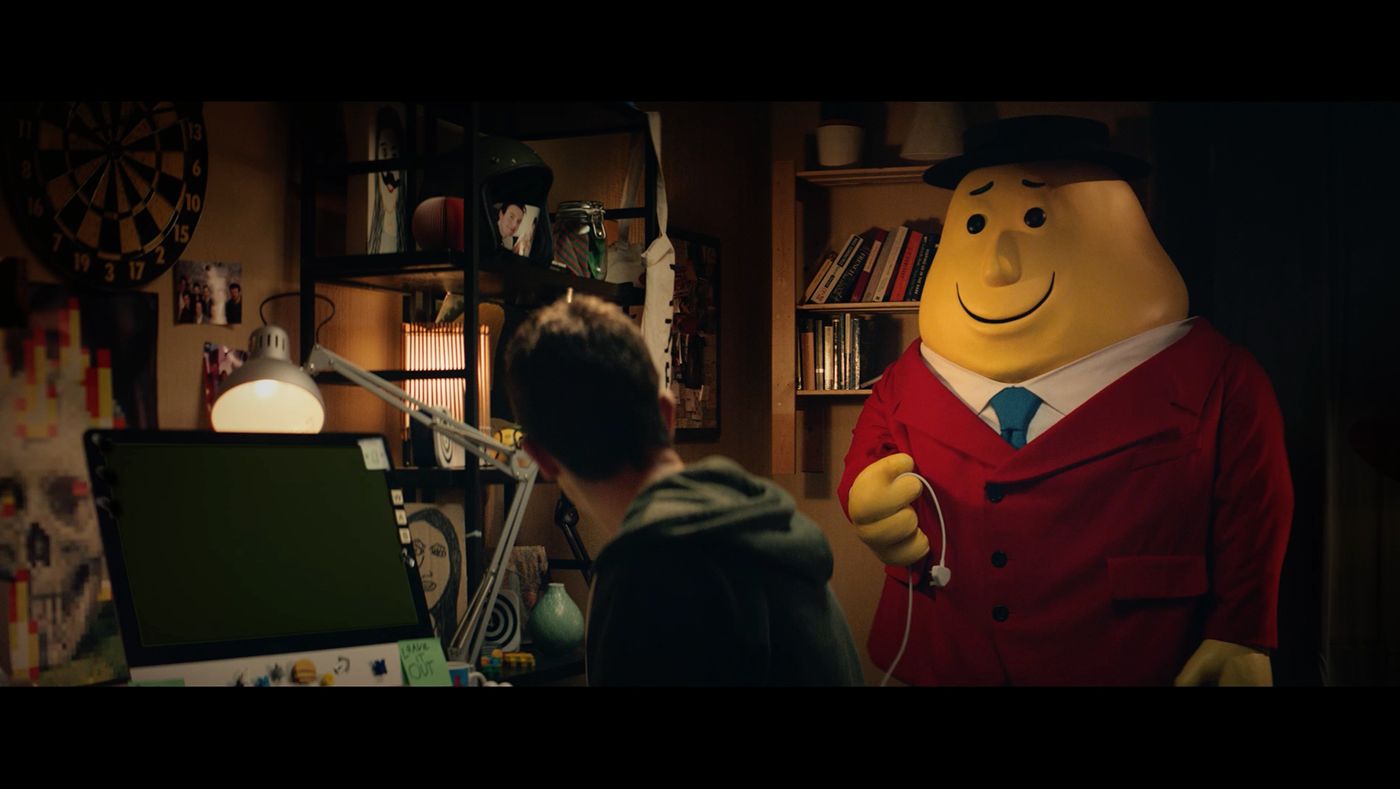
x,y
1281,217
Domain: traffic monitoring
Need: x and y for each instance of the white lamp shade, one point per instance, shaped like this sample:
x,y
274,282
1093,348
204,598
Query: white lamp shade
x,y
269,394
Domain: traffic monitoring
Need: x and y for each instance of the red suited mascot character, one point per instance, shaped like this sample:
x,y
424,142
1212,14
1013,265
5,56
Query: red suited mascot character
x,y
1110,472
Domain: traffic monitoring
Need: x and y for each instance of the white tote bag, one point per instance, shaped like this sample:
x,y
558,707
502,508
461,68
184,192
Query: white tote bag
x,y
660,261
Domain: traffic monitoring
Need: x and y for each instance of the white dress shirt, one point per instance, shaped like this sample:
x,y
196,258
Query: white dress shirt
x,y
1061,390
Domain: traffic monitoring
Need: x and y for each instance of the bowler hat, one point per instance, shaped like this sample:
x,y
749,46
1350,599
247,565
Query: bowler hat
x,y
1034,138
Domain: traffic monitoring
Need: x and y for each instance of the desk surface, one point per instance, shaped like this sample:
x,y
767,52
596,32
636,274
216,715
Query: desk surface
x,y
546,670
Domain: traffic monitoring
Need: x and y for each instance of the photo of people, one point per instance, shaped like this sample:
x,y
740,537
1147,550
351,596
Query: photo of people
x,y
208,293
515,223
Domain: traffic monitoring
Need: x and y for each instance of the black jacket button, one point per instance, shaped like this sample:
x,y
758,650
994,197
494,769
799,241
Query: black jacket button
x,y
998,559
1000,613
995,492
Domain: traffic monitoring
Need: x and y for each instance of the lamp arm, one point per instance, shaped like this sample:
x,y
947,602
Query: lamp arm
x,y
467,640
461,433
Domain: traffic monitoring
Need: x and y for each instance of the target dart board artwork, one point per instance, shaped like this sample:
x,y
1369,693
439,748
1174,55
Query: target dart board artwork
x,y
108,193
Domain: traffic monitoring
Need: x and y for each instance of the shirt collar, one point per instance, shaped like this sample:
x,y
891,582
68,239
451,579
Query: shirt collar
x,y
1065,388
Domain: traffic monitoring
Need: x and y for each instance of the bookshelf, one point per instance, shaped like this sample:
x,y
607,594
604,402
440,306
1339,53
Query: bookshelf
x,y
889,306
813,210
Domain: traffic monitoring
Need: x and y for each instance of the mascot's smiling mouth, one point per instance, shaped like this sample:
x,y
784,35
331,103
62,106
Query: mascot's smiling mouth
x,y
981,319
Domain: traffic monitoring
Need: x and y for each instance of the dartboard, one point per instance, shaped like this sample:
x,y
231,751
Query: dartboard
x,y
108,193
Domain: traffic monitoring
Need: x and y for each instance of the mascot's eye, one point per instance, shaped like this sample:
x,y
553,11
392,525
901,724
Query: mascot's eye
x,y
975,223
1035,217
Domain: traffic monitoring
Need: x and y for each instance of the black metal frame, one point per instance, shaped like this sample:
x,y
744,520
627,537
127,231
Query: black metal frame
x,y
461,272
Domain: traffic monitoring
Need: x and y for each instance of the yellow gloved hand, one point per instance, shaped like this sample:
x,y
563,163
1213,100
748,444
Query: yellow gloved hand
x,y
880,509
1226,664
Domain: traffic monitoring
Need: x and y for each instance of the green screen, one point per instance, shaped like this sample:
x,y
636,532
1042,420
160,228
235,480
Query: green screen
x,y
227,543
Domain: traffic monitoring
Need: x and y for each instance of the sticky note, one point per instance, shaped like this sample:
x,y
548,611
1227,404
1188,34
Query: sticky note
x,y
375,454
423,662
156,683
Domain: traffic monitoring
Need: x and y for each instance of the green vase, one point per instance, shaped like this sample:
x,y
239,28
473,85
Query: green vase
x,y
556,624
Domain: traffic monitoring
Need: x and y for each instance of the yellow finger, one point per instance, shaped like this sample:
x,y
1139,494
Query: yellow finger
x,y
1194,674
890,531
876,497
887,468
907,552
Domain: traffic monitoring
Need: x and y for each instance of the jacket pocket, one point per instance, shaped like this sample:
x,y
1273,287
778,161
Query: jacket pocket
x,y
902,574
1157,577
1162,452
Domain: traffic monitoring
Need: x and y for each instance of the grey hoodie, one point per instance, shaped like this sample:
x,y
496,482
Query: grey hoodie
x,y
717,579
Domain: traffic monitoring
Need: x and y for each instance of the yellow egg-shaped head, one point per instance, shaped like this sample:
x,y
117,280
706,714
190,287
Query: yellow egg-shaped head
x,y
1040,264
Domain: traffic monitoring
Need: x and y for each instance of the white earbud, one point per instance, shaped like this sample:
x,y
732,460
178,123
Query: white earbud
x,y
938,575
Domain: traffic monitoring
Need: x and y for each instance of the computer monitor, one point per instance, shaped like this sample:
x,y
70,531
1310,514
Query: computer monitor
x,y
256,559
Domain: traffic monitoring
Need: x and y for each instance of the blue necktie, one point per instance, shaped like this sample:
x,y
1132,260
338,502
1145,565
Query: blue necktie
x,y
1015,407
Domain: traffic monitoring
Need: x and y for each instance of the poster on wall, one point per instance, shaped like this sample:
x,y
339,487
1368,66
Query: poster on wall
x,y
84,361
439,532
387,201
695,336
219,362
210,293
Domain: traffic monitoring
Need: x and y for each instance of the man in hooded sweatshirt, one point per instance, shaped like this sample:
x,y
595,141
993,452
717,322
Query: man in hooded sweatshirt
x,y
712,577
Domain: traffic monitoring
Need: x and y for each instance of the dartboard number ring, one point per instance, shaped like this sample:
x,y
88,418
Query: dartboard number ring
x,y
109,192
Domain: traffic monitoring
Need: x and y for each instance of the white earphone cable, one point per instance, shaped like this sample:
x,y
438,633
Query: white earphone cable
x,y
942,563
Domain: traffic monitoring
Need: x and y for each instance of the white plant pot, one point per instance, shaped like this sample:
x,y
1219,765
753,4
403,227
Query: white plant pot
x,y
839,144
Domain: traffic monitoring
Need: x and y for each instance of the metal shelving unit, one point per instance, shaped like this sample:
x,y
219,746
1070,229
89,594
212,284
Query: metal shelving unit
x,y
494,276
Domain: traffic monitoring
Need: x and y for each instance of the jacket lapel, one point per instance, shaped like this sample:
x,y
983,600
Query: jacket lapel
x,y
925,405
1159,399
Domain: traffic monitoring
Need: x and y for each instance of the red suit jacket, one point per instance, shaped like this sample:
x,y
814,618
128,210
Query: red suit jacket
x,y
1151,517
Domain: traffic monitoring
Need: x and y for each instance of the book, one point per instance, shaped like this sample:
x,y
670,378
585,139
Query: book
x,y
857,338
828,260
818,356
864,281
829,354
843,346
882,275
809,358
823,293
842,292
921,267
850,354
906,266
878,265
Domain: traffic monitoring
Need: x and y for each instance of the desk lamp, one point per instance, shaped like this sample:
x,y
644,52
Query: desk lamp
x,y
270,394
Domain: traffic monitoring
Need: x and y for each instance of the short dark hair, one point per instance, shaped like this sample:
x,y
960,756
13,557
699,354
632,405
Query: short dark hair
x,y
584,389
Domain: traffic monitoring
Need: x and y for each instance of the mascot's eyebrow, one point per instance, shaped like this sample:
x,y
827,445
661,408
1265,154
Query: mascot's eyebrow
x,y
1031,184
983,190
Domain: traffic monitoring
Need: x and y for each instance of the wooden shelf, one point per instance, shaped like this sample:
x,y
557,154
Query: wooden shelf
x,y
415,477
547,669
808,210
868,176
832,392
502,276
874,306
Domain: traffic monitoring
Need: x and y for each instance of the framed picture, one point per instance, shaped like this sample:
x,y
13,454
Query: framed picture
x,y
515,225
695,336
388,204
439,533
